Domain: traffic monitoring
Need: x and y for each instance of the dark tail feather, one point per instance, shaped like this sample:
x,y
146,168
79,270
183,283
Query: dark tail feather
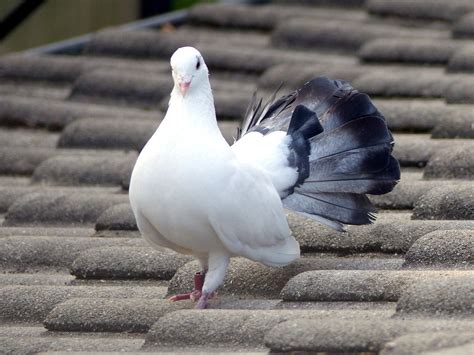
x,y
351,157
304,124
346,208
341,147
374,183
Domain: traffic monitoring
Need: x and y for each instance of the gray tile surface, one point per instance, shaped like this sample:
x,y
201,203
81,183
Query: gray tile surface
x,y
76,276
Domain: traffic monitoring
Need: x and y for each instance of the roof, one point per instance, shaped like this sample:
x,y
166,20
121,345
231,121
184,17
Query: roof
x,y
77,276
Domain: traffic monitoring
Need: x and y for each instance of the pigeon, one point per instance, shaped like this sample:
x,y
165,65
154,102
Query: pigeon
x,y
316,151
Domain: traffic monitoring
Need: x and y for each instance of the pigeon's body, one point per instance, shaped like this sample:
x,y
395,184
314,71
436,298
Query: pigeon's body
x,y
192,193
192,185
172,180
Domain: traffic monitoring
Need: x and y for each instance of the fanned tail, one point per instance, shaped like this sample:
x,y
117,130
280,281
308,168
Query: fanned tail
x,y
340,145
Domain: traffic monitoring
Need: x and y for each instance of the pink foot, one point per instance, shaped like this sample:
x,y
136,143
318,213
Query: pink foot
x,y
193,296
196,293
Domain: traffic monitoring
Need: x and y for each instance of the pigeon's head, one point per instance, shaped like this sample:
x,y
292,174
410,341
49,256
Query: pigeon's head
x,y
188,68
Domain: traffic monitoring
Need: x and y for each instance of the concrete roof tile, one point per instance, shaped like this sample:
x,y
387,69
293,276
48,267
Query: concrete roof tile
x,y
149,44
110,315
411,115
126,89
9,194
462,60
128,263
51,68
461,125
417,150
340,35
425,82
455,201
85,170
213,328
417,50
233,37
451,296
22,161
146,44
108,133
61,344
408,152
35,89
33,303
234,328
238,16
46,231
20,253
244,277
364,334
424,342
262,17
118,217
293,76
407,192
393,235
454,350
364,263
21,137
338,306
35,279
464,27
59,208
421,9
248,278
52,114
455,162
21,331
354,285
66,68
9,180
445,248
324,35
461,91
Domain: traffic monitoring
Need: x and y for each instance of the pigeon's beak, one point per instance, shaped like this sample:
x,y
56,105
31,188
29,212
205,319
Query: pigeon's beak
x,y
184,86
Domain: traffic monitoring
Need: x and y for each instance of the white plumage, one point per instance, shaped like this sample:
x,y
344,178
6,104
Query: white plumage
x,y
192,193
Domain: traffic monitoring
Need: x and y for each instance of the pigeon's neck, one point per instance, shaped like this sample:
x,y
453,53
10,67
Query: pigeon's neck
x,y
195,110
201,96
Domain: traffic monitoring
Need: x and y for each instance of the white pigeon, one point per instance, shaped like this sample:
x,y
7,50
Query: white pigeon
x,y
193,193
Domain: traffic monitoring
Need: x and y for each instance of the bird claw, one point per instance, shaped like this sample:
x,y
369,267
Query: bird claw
x,y
180,297
196,295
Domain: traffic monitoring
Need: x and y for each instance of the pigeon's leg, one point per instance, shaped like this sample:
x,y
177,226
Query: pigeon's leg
x,y
214,278
199,277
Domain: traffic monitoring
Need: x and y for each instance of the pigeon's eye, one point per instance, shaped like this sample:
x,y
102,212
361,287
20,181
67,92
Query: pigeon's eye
x,y
198,64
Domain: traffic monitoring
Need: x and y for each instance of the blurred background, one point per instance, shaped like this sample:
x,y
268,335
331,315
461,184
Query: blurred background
x,y
47,21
